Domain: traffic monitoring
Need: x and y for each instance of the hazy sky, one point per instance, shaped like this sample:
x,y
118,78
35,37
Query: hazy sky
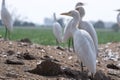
x,y
37,10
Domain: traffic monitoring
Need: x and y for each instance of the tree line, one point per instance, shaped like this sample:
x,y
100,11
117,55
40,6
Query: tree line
x,y
21,23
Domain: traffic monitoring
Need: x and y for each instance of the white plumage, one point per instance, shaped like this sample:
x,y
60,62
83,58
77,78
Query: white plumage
x,y
67,33
83,43
57,30
80,8
6,19
88,27
118,17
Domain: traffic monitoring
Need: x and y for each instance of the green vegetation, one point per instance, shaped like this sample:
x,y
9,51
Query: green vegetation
x,y
37,35
45,36
108,35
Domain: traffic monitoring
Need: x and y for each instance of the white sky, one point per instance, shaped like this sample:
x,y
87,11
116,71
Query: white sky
x,y
37,10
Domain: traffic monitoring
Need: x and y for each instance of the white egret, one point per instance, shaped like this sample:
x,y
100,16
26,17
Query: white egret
x,y
6,20
82,13
57,30
83,43
118,17
87,26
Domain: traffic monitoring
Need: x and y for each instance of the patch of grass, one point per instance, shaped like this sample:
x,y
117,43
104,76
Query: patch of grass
x,y
105,36
42,36
45,36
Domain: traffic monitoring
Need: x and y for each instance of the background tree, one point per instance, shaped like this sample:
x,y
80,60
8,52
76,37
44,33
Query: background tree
x,y
99,24
115,27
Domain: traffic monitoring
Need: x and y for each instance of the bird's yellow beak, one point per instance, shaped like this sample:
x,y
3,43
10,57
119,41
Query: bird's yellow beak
x,y
67,13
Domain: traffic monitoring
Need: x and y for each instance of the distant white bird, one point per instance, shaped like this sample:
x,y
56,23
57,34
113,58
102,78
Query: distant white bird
x,y
6,20
118,17
83,43
87,26
57,30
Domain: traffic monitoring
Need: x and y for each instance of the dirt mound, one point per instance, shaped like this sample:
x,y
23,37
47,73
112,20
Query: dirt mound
x,y
26,61
47,68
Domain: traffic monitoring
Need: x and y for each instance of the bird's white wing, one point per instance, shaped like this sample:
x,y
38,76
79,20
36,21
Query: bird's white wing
x,y
91,30
57,31
85,49
67,34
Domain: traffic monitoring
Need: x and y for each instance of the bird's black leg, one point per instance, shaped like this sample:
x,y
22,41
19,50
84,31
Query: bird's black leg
x,y
5,37
73,45
57,43
8,34
82,66
69,44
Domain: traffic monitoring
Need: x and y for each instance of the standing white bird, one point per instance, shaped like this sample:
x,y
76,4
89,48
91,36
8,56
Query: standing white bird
x,y
82,13
57,30
83,43
87,26
6,20
118,17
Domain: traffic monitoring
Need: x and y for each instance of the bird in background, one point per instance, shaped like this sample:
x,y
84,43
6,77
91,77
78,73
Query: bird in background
x,y
6,20
81,9
118,17
57,30
83,42
85,25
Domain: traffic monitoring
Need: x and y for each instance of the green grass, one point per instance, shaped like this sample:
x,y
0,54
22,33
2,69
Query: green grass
x,y
105,36
45,36
42,36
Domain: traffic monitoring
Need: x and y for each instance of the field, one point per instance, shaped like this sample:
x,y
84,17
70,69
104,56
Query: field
x,y
45,36
43,61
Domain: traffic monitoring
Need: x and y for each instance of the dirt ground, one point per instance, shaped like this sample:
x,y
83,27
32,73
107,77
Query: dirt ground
x,y
21,60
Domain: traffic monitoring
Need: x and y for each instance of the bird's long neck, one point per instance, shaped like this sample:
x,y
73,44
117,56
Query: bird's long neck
x,y
54,16
75,23
3,2
82,12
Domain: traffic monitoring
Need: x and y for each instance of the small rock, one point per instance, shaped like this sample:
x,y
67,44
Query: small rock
x,y
70,57
101,76
26,56
112,66
71,73
26,40
114,72
60,48
46,57
10,52
14,62
43,50
10,43
12,74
